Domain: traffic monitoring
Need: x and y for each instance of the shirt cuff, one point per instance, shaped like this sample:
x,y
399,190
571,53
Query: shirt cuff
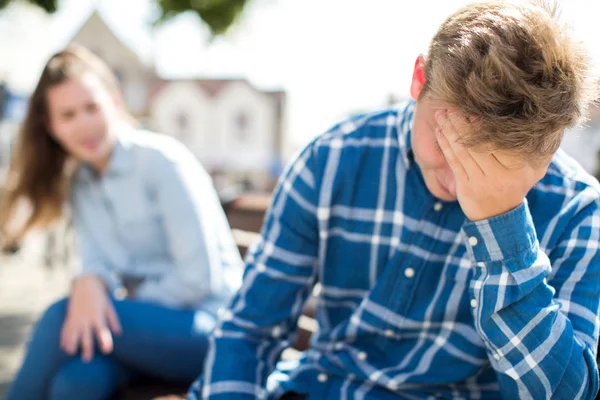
x,y
507,236
111,279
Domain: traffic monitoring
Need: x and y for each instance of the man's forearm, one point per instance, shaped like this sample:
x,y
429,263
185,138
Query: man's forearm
x,y
531,343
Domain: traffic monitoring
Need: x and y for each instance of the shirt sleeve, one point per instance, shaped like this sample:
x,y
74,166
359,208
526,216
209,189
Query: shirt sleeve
x,y
536,313
197,232
89,259
281,271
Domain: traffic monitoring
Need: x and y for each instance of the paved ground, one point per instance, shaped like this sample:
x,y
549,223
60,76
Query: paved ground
x,y
26,289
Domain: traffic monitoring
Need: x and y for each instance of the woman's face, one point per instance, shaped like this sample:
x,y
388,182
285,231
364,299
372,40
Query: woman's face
x,y
81,117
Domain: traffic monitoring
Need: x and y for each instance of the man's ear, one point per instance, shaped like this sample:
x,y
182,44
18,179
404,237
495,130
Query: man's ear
x,y
418,78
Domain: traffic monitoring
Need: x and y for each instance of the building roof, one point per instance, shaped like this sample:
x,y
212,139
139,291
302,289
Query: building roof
x,y
95,14
212,86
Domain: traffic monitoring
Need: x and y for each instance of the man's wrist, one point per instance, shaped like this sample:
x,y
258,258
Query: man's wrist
x,y
505,236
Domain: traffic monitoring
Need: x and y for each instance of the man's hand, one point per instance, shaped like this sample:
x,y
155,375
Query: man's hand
x,y
90,313
485,185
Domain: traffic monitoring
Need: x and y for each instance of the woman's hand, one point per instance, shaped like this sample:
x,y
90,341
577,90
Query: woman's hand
x,y
90,313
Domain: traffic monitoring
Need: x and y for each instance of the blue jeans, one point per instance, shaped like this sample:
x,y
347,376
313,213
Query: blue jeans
x,y
156,341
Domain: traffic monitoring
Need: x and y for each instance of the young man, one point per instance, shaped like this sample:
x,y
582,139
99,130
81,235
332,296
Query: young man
x,y
457,249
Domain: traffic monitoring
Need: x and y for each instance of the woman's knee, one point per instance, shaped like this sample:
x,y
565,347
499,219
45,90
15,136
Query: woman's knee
x,y
66,385
96,380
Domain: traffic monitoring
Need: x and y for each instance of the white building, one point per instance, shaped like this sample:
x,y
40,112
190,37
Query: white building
x,y
230,125
234,128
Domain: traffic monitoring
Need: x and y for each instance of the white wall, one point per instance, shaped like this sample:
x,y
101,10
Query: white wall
x,y
256,151
583,145
213,130
188,98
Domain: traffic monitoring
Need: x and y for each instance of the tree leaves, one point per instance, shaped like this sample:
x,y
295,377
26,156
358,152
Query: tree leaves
x,y
218,15
49,6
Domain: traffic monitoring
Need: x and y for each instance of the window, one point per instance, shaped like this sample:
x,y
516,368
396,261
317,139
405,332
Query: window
x,y
119,75
242,126
182,123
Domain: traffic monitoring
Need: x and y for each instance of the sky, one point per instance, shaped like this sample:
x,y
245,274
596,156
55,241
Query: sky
x,y
332,57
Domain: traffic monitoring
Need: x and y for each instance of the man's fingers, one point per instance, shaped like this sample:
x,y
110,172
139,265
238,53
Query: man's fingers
x,y
460,123
453,126
487,162
455,165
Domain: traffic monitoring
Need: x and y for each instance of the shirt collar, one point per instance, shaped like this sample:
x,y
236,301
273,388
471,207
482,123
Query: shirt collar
x,y
405,124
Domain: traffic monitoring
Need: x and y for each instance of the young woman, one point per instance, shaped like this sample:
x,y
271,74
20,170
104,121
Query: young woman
x,y
157,256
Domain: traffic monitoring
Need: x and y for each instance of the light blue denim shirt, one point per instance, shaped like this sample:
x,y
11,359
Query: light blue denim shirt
x,y
154,216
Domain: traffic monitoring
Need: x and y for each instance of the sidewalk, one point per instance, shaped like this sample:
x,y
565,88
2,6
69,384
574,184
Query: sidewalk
x,y
26,289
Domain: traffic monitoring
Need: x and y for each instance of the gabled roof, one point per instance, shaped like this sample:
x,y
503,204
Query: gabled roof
x,y
211,86
96,14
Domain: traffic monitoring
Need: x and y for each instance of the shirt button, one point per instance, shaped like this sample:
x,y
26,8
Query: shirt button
x,y
437,206
339,346
481,264
322,377
355,320
276,332
217,333
389,333
362,356
473,303
393,385
496,356
261,268
227,315
409,272
473,241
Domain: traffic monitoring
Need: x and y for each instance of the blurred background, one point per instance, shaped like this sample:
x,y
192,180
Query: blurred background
x,y
244,85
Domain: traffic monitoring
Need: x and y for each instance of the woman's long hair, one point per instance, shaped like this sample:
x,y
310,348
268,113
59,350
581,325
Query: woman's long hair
x,y
40,168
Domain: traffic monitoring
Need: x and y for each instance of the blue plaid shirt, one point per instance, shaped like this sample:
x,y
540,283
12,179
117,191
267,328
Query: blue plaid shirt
x,y
415,301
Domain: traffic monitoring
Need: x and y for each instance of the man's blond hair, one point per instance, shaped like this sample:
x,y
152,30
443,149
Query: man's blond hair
x,y
517,69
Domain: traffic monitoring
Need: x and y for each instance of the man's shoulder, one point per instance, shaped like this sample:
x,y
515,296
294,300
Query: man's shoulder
x,y
567,184
565,171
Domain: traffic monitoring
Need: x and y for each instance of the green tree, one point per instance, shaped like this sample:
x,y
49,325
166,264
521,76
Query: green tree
x,y
218,15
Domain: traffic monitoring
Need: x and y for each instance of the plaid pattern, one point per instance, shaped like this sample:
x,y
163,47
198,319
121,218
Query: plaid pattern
x,y
415,301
